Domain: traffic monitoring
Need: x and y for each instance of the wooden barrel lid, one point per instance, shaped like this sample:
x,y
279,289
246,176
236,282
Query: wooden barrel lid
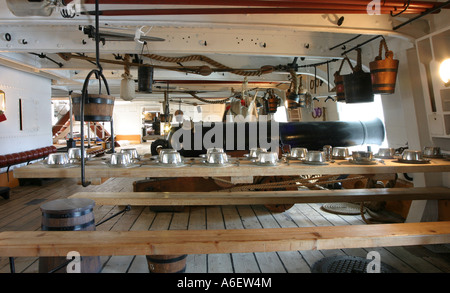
x,y
65,205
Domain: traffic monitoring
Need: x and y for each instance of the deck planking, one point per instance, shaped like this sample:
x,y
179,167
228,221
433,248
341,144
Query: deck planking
x,y
22,212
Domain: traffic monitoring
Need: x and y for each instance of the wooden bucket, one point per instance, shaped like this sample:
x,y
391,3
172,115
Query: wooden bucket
x,y
272,104
358,85
69,215
384,72
292,99
339,81
97,108
166,263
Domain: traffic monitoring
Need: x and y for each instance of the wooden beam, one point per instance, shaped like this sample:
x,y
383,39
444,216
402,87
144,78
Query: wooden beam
x,y
263,197
173,242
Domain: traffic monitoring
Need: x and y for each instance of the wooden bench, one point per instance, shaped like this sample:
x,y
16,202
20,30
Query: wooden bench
x,y
263,197
175,242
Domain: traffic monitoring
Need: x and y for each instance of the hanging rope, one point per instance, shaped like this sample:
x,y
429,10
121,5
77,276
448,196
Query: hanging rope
x,y
295,81
208,101
220,67
126,67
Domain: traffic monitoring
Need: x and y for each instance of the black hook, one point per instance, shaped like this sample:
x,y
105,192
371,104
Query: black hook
x,y
406,5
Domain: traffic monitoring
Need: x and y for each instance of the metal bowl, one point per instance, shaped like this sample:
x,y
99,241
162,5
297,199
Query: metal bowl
x,y
386,152
214,150
362,156
132,152
120,159
299,153
163,151
431,151
267,158
75,154
171,158
58,159
340,153
412,155
254,152
315,157
217,158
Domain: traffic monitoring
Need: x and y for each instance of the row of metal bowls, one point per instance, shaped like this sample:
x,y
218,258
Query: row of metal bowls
x,y
217,156
74,155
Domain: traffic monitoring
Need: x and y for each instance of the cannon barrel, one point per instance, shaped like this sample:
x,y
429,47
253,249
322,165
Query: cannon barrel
x,y
192,141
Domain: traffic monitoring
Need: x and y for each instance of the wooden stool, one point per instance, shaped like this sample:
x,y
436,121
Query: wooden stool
x,y
68,214
4,192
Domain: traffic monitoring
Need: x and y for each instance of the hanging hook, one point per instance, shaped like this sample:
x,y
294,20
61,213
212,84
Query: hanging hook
x,y
406,5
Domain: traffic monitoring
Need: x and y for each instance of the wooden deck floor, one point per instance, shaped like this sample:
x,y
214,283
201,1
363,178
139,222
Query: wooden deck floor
x,y
21,212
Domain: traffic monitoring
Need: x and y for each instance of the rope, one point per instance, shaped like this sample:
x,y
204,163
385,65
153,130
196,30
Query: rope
x,y
295,80
208,101
361,209
126,66
262,70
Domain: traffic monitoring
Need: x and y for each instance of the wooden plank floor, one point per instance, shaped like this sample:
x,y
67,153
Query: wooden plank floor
x,y
21,212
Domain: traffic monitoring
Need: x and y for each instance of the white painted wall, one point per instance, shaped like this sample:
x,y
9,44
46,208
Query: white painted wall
x,y
35,93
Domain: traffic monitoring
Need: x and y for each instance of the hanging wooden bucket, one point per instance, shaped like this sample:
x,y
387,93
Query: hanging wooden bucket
x,y
166,263
339,81
69,215
358,85
97,108
292,104
272,104
384,71
292,99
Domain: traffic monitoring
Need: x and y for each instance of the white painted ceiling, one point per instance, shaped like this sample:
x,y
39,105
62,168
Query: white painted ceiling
x,y
242,41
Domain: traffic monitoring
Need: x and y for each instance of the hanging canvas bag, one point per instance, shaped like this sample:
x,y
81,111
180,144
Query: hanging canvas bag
x,y
384,71
358,85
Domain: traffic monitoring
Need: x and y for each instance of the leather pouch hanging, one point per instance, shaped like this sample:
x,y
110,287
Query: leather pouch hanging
x,y
358,85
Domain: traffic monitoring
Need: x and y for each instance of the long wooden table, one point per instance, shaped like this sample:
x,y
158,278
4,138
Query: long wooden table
x,y
99,169
224,241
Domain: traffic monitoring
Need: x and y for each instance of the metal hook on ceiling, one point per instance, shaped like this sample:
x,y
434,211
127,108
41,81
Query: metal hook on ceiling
x,y
406,5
